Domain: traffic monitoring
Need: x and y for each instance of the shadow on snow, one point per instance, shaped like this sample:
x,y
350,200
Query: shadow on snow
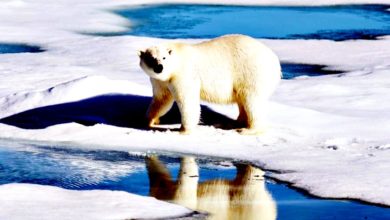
x,y
113,109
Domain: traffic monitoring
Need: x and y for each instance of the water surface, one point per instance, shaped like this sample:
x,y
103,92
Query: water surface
x,y
19,48
292,70
275,22
158,175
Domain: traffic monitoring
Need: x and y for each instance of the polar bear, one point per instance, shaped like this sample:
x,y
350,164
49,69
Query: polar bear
x,y
244,197
225,70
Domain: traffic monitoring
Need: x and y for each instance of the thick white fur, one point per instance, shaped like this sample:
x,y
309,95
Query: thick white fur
x,y
229,69
244,197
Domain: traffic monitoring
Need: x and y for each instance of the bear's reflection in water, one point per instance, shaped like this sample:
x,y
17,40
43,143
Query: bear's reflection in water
x,y
244,197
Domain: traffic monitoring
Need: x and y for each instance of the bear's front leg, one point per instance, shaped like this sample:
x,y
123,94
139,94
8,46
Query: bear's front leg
x,y
190,114
187,96
161,103
158,108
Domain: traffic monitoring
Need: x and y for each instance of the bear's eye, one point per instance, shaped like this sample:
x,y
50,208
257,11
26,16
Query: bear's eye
x,y
163,58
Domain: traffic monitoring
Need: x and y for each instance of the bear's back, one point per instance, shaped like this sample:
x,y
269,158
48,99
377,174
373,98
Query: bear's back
x,y
226,65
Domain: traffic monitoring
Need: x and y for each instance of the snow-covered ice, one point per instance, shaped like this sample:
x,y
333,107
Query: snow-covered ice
x,y
329,135
29,201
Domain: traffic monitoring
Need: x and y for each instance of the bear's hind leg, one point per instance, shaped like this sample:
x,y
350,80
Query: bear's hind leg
x,y
242,120
255,111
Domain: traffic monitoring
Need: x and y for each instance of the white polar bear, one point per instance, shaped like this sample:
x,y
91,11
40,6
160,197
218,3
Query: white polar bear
x,y
225,70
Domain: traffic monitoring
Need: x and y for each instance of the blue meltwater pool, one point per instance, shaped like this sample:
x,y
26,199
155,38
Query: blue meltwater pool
x,y
276,22
19,48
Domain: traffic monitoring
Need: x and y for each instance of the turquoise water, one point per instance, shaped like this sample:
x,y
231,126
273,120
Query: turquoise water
x,y
19,48
208,21
113,170
291,70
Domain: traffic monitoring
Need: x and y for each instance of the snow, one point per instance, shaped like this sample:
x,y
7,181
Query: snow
x,y
29,201
328,135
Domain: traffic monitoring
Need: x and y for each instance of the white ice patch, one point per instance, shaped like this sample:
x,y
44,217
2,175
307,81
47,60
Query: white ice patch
x,y
30,202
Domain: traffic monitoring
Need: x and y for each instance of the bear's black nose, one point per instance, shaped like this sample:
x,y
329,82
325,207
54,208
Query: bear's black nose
x,y
158,68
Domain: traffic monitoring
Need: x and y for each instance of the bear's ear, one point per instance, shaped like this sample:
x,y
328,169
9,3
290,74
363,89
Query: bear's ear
x,y
140,52
169,51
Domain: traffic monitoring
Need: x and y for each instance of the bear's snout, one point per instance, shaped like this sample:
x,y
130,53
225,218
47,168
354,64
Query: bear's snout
x,y
158,68
151,62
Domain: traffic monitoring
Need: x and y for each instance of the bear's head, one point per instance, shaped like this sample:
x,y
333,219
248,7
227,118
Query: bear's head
x,y
157,62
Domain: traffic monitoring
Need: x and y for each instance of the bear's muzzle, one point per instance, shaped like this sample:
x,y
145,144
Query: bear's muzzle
x,y
151,62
